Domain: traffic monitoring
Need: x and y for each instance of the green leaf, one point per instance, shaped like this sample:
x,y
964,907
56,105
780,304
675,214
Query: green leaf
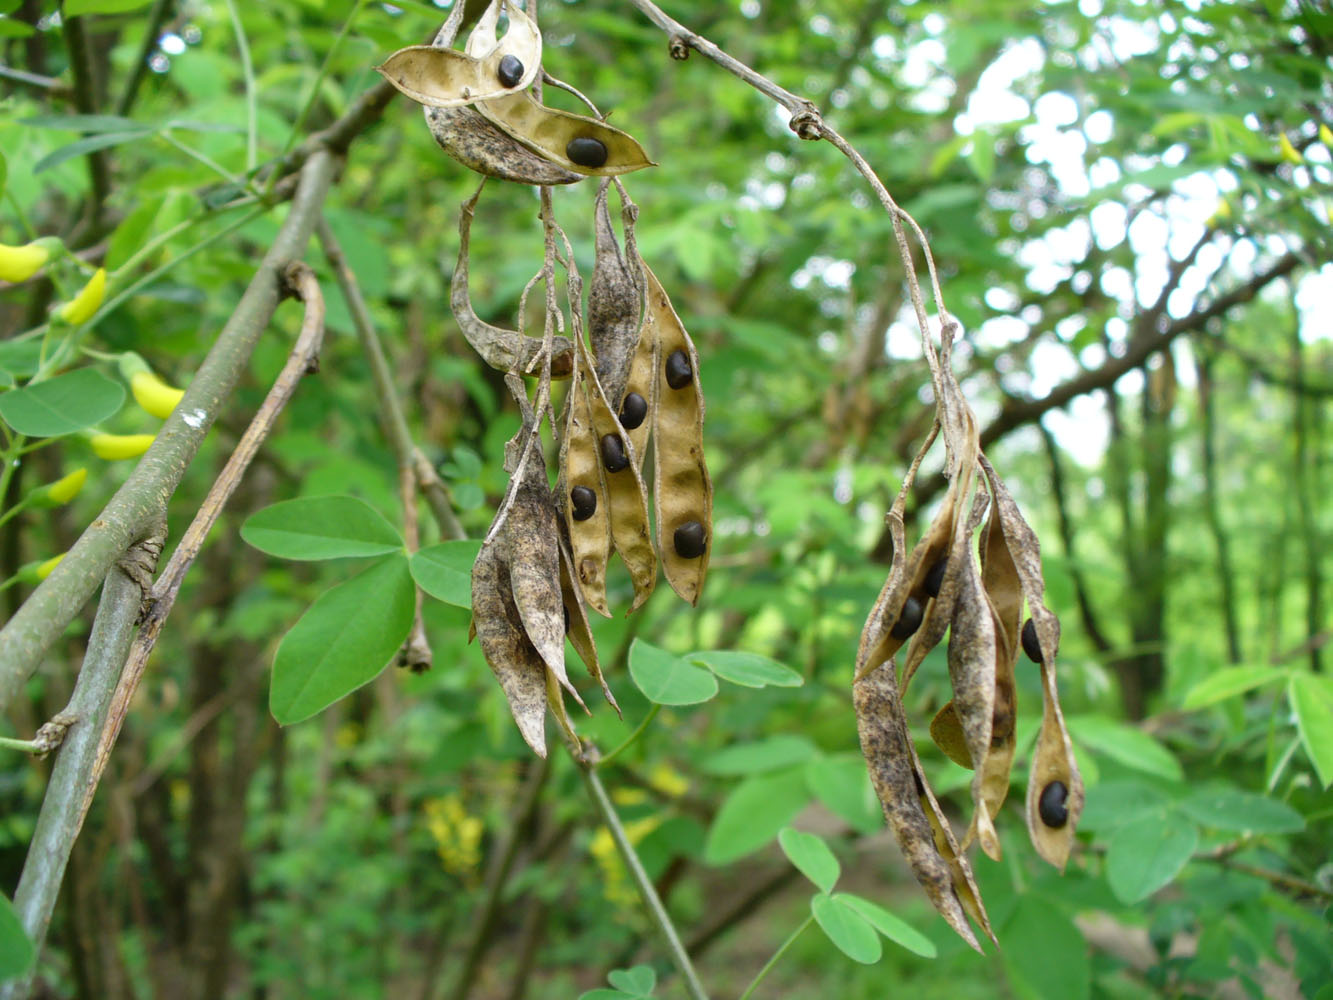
x,y
4,172
668,679
605,994
16,951
89,124
1225,808
638,981
1228,683
445,570
88,144
73,8
760,756
747,669
814,859
1147,853
21,357
1312,700
753,814
891,925
12,28
1045,952
848,930
334,527
842,784
62,405
1126,745
346,638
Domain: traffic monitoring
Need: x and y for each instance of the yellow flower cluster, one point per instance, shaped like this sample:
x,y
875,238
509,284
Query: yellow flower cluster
x,y
456,833
615,880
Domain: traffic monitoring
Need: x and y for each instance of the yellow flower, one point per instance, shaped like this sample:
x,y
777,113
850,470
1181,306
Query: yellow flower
x,y
114,446
668,781
1326,136
80,309
44,569
615,880
21,263
1288,150
62,491
154,395
457,834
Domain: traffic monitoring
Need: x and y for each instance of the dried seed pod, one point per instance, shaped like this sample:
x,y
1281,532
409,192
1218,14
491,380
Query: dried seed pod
x,y
579,629
504,350
590,537
510,654
947,731
532,551
615,298
549,132
682,491
1053,759
442,77
889,756
626,495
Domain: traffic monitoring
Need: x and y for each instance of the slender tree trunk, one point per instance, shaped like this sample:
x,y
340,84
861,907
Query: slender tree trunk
x,y
1212,511
1304,476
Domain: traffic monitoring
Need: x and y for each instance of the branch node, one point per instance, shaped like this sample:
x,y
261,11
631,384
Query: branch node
x,y
52,734
139,562
807,124
679,47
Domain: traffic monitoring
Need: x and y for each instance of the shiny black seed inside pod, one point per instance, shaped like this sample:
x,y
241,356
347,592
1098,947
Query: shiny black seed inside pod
x,y
586,152
1053,805
909,620
566,610
1030,644
613,453
583,501
690,540
935,577
510,71
679,374
633,411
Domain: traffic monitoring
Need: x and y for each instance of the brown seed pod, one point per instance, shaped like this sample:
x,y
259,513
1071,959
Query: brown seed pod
x,y
682,490
891,760
1053,759
442,77
626,495
580,631
532,550
477,144
565,139
510,654
590,537
615,297
504,350
947,731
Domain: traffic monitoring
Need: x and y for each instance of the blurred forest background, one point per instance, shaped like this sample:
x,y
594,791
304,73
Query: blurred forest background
x,y
1129,204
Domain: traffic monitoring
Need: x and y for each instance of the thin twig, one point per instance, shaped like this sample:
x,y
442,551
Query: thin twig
x,y
152,30
415,653
651,901
391,415
303,359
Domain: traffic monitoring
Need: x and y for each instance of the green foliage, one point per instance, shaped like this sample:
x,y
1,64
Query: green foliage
x,y
16,951
321,528
62,404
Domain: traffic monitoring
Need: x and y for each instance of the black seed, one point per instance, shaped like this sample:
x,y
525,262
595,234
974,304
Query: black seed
x,y
586,152
1053,805
566,610
935,578
1030,644
679,374
920,788
613,453
690,539
909,620
583,501
510,70
632,411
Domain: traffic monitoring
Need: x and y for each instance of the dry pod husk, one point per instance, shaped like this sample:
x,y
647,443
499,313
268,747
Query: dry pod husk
x,y
615,298
504,350
442,77
577,143
887,749
479,145
682,490
580,466
580,630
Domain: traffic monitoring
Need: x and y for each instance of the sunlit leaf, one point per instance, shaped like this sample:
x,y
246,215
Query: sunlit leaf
x,y
334,527
63,404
